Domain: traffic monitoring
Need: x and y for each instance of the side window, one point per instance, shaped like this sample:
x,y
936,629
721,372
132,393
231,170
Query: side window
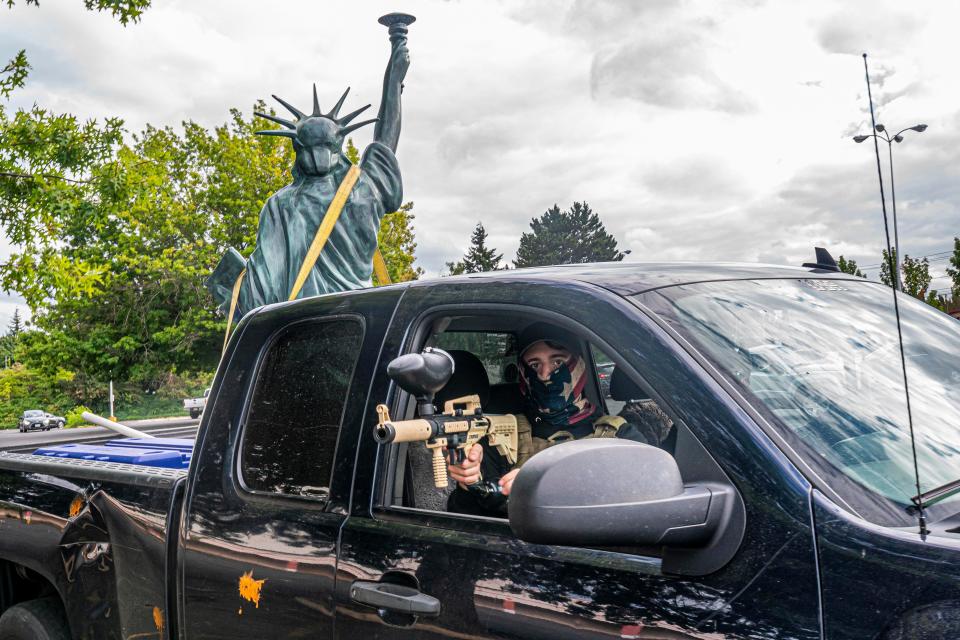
x,y
497,351
604,369
294,417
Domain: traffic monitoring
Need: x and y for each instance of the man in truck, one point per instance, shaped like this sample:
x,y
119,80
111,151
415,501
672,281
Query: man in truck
x,y
553,379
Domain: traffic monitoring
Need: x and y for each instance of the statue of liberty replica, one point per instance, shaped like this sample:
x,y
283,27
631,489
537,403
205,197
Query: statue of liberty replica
x,y
319,234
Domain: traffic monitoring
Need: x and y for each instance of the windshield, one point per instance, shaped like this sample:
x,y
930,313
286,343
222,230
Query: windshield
x,y
820,359
32,414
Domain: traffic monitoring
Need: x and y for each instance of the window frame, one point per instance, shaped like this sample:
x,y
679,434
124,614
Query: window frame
x,y
269,497
385,505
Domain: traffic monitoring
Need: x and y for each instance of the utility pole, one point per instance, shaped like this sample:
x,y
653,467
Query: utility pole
x,y
112,415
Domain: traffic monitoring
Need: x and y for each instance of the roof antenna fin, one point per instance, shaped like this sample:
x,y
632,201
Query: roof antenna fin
x,y
825,261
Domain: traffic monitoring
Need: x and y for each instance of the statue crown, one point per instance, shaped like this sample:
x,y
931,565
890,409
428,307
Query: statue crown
x,y
292,126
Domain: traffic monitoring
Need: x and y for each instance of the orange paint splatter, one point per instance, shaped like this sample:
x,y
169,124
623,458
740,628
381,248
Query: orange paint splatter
x,y
158,619
250,588
76,506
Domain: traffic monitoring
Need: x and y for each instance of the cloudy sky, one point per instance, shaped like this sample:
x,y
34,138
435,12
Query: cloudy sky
x,y
697,130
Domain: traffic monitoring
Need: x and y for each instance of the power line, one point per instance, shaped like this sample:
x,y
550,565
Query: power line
x,y
938,255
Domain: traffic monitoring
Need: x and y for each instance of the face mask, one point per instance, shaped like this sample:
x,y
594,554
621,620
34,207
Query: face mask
x,y
557,401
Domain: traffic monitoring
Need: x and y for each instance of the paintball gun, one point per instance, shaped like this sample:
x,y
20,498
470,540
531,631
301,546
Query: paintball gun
x,y
453,432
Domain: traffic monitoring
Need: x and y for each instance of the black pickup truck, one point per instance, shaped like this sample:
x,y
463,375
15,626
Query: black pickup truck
x,y
783,505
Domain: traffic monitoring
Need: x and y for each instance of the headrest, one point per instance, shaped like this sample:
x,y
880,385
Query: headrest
x,y
622,388
469,377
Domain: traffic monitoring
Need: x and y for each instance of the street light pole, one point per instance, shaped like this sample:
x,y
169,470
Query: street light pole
x,y
882,134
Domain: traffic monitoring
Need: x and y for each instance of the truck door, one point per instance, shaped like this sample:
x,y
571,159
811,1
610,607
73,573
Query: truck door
x,y
264,505
483,582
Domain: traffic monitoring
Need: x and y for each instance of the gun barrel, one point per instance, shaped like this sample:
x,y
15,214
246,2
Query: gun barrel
x,y
403,431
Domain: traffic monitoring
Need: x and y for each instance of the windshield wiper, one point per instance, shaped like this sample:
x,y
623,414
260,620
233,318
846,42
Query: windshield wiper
x,y
935,495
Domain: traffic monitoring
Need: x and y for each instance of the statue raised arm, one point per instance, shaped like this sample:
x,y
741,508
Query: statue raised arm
x,y
319,234
388,122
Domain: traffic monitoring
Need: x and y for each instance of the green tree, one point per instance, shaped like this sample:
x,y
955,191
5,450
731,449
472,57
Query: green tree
x,y
115,240
954,271
916,277
479,256
126,11
885,266
14,74
850,266
397,244
566,237
915,274
457,268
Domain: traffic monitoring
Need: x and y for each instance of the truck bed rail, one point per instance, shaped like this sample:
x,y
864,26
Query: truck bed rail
x,y
92,470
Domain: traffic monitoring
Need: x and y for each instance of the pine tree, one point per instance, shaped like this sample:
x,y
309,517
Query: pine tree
x,y
850,266
16,324
566,237
456,268
479,257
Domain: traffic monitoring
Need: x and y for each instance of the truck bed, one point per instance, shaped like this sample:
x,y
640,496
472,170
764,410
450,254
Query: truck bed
x,y
97,532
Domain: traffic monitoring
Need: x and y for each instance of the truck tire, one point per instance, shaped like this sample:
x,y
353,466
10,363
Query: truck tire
x,y
195,413
41,619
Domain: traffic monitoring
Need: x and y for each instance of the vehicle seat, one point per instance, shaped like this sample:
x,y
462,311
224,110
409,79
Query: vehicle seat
x,y
469,377
641,411
623,389
505,397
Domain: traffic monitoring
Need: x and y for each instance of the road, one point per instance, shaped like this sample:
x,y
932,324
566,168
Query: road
x,y
13,440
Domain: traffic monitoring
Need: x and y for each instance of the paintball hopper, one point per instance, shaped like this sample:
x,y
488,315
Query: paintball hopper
x,y
422,374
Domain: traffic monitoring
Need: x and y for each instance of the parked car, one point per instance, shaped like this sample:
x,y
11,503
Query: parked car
x,y
196,405
781,506
36,420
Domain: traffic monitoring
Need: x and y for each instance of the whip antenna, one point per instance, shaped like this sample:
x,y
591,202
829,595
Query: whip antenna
x,y
894,272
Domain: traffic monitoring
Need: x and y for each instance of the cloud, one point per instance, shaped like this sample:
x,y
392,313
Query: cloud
x,y
668,70
697,177
696,129
876,29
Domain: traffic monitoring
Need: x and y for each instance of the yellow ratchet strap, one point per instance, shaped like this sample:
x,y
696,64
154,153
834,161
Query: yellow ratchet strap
x,y
233,308
326,227
380,268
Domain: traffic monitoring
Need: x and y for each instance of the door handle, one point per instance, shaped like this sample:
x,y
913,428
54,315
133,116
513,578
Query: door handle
x,y
394,597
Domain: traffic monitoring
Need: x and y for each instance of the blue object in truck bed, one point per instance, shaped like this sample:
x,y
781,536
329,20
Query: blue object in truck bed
x,y
172,453
183,445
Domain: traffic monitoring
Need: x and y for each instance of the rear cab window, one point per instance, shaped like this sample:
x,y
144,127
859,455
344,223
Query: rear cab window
x,y
294,417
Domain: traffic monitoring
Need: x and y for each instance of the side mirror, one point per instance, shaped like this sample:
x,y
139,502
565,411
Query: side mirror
x,y
609,492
